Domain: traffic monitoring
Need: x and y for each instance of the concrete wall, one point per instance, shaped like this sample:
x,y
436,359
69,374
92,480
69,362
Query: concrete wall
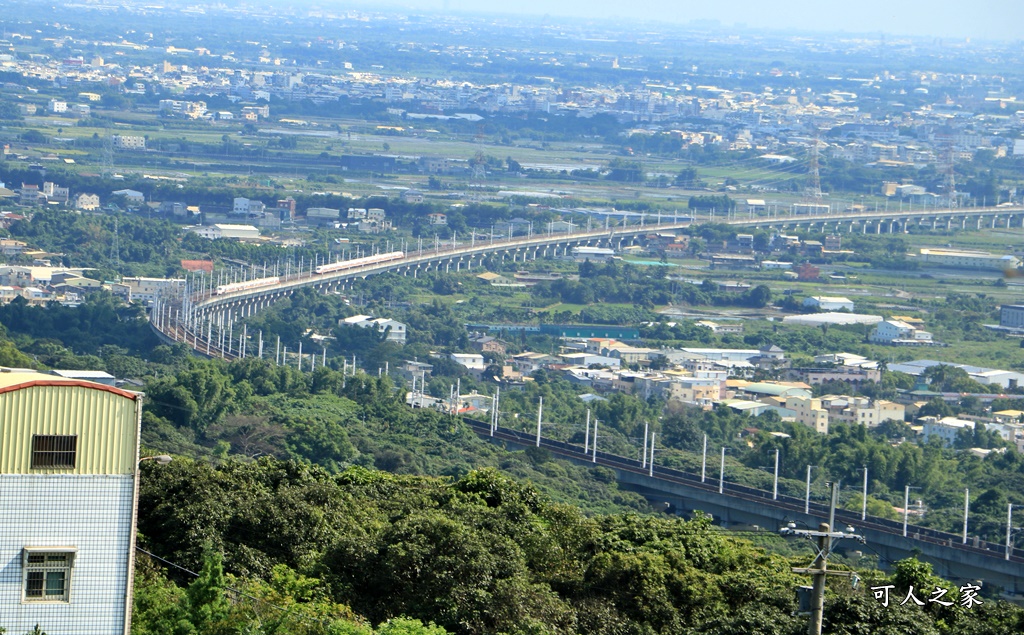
x,y
89,513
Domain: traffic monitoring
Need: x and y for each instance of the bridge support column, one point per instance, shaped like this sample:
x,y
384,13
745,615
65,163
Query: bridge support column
x,y
995,219
979,223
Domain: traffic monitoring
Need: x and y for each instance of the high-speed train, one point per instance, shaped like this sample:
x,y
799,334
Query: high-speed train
x,y
355,263
244,286
334,267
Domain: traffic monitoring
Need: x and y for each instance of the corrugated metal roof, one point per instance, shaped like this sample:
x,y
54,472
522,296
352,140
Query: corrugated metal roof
x,y
23,379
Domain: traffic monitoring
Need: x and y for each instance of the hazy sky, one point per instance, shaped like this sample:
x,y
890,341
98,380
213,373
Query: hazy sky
x,y
995,19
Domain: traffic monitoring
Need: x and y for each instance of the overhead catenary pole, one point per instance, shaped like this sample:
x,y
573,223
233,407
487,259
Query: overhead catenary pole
x,y
721,473
906,508
967,508
540,413
704,459
864,501
594,459
586,435
650,465
775,482
497,414
1009,530
807,494
644,464
833,502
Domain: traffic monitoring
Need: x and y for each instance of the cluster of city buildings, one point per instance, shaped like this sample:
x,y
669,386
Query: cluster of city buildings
x,y
889,118
41,283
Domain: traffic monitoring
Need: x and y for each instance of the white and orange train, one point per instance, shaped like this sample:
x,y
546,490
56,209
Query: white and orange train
x,y
334,267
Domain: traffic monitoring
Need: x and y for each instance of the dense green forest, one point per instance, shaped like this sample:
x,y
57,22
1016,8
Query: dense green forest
x,y
310,552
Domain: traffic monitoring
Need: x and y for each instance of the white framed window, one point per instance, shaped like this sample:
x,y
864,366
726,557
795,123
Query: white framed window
x,y
46,573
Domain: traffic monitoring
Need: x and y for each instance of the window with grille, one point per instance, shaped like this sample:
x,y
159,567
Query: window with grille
x,y
48,575
51,450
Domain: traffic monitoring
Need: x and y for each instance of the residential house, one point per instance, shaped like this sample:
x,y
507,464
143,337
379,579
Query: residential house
x,y
395,330
946,428
131,197
472,361
897,332
148,290
487,344
55,193
30,195
87,202
809,412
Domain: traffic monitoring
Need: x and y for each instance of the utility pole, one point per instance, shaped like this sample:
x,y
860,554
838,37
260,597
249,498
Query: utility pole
x,y
824,538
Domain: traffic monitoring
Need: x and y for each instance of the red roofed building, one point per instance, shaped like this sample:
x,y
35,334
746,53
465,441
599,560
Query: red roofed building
x,y
197,265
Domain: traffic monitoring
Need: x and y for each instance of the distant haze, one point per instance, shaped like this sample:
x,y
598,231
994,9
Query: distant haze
x,y
982,19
